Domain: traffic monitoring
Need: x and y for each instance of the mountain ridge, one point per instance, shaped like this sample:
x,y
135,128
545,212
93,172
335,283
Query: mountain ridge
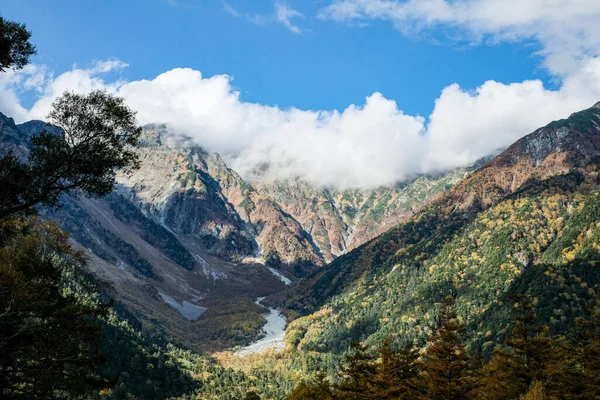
x,y
186,227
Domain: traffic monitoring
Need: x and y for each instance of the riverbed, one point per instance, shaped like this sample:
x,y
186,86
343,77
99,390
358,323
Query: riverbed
x,y
274,331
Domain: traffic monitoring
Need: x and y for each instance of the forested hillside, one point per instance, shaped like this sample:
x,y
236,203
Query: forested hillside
x,y
528,221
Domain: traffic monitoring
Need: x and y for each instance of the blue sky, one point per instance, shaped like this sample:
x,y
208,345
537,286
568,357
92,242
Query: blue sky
x,y
327,66
344,93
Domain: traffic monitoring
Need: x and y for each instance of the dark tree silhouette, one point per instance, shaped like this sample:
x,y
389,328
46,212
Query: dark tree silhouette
x,y
395,372
357,374
15,48
527,355
90,138
49,337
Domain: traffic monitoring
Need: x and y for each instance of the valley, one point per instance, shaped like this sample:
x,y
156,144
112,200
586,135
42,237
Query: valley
x,y
188,245
247,272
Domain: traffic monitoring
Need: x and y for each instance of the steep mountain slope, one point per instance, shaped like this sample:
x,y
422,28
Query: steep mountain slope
x,y
527,221
339,221
195,193
184,240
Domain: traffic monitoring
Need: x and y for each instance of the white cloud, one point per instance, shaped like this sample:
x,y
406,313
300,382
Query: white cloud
x,y
568,30
14,82
283,14
467,125
364,145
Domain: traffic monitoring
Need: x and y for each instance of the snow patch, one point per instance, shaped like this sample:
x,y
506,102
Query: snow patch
x,y
188,310
281,277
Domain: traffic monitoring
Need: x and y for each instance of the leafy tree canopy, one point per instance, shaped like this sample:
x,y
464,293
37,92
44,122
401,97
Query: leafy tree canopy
x,y
15,48
50,338
89,138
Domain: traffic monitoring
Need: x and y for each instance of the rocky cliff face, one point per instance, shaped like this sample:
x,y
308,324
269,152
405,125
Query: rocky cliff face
x,y
292,222
557,148
339,221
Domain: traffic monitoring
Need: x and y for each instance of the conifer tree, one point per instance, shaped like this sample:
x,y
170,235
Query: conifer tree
x,y
357,374
446,370
394,372
527,356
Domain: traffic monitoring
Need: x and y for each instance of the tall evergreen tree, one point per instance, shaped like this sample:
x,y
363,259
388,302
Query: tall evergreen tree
x,y
446,370
394,372
357,374
527,355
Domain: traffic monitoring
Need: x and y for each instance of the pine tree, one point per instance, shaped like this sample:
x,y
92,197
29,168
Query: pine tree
x,y
394,372
528,354
446,370
317,389
357,374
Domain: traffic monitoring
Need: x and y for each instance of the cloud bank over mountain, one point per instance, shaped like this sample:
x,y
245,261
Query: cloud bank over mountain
x,y
370,144
365,145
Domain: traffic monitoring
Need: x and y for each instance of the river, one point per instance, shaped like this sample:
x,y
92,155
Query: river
x,y
274,331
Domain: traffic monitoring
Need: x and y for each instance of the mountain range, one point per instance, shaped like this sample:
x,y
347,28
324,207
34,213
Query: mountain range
x,y
187,244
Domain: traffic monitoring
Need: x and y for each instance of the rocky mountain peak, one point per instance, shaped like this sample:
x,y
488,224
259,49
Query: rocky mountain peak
x,y
216,161
5,120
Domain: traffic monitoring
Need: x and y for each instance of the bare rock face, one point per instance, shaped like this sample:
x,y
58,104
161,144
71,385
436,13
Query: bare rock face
x,y
339,221
556,149
11,138
287,222
173,187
